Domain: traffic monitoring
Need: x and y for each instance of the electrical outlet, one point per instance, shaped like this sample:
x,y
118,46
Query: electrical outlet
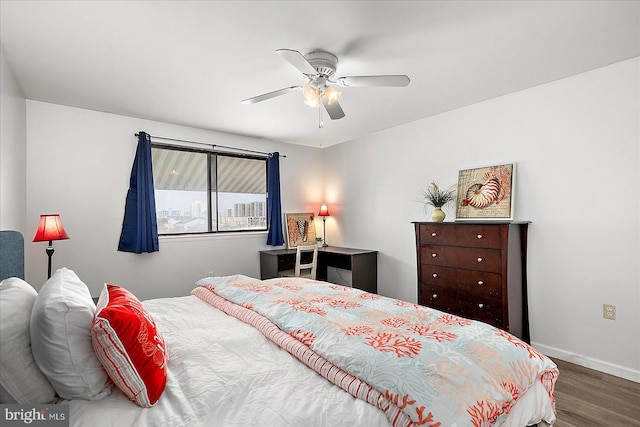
x,y
609,311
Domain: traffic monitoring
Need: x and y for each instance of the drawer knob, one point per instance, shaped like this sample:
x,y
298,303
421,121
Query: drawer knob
x,y
480,282
479,236
479,259
435,274
434,234
434,296
434,255
480,305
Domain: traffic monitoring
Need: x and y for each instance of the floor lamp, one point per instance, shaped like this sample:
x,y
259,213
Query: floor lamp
x,y
50,229
324,213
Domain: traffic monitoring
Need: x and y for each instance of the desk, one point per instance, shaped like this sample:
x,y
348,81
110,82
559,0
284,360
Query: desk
x,y
362,263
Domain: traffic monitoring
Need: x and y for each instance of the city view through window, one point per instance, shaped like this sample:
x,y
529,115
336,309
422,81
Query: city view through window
x,y
186,211
237,186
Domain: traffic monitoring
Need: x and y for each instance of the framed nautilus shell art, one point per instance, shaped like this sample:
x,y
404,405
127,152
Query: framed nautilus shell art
x,y
300,229
486,193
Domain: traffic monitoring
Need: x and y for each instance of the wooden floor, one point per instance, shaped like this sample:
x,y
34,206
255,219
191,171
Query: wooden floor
x,y
585,397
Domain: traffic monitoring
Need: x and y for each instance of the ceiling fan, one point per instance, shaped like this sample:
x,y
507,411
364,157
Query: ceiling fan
x,y
319,68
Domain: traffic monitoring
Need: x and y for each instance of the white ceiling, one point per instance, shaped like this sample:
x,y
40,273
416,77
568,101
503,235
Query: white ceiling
x,y
192,62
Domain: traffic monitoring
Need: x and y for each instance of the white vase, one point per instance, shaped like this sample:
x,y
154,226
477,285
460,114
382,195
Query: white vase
x,y
438,215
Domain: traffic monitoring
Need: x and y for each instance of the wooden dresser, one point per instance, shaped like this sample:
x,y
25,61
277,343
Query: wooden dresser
x,y
476,270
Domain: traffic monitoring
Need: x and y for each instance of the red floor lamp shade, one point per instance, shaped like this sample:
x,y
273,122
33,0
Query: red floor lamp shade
x,y
49,229
324,213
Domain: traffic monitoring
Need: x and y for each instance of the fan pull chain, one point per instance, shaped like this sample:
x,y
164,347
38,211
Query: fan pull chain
x,y
320,122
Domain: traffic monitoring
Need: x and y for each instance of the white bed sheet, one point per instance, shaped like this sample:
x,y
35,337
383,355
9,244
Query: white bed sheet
x,y
225,373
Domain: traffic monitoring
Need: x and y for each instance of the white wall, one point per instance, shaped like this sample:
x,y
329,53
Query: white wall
x,y
78,165
576,143
13,150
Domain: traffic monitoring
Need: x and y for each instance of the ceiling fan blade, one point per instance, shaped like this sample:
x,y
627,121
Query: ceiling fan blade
x,y
271,95
334,109
360,81
298,60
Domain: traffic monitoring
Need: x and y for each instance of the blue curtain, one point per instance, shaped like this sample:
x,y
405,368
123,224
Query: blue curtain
x,y
274,211
140,226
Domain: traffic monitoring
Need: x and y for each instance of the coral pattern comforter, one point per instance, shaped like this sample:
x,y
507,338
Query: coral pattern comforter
x,y
419,365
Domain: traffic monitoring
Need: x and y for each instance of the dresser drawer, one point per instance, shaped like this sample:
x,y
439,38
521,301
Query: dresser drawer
x,y
440,298
479,259
476,236
466,280
488,312
471,305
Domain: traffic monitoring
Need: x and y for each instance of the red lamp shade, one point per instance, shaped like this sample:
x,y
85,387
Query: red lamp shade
x,y
50,228
324,211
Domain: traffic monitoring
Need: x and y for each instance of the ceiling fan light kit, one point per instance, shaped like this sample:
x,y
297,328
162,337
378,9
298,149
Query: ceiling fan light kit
x,y
319,67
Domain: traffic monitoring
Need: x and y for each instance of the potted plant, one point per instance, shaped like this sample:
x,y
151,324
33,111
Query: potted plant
x,y
434,196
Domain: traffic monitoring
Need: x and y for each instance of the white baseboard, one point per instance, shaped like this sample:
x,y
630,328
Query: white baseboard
x,y
588,362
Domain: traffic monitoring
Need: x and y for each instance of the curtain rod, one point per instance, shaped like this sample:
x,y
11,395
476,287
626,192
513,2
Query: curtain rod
x,y
212,145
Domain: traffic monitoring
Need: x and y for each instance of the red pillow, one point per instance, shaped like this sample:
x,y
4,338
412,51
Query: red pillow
x,y
129,346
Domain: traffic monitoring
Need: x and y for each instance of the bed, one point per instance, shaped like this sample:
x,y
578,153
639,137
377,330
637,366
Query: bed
x,y
240,351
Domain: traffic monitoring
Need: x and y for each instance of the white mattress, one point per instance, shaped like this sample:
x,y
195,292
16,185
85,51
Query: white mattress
x,y
223,372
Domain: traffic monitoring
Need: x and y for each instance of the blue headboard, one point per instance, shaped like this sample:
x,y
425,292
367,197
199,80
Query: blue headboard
x,y
11,254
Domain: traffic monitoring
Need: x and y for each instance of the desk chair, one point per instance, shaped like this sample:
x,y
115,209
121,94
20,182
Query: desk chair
x,y
303,269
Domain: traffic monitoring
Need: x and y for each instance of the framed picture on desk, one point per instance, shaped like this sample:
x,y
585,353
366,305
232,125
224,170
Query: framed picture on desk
x,y
300,229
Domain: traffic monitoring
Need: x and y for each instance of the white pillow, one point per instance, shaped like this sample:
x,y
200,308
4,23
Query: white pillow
x,y
20,379
61,322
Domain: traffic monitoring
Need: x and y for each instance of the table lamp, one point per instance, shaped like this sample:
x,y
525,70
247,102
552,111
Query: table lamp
x,y
50,229
324,213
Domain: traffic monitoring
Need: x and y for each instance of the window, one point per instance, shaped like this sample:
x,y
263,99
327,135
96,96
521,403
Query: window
x,y
202,192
